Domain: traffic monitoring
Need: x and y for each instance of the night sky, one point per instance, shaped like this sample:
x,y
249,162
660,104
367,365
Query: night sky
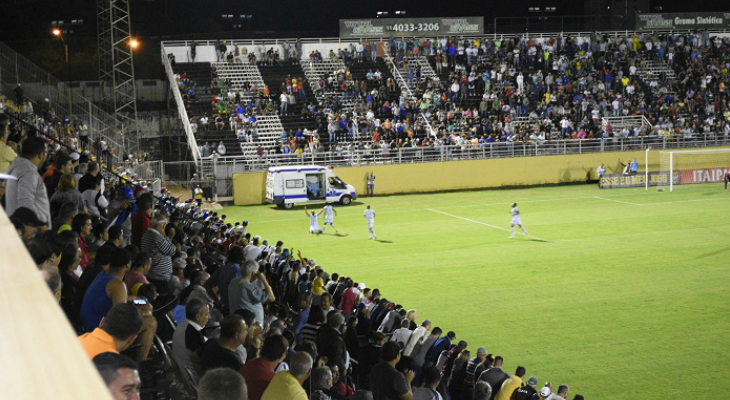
x,y
21,19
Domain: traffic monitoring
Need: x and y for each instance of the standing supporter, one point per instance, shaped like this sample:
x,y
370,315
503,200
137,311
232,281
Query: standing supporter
x,y
160,248
386,382
66,192
243,294
526,392
63,165
28,190
495,376
260,371
511,385
121,211
142,221
288,384
330,340
418,334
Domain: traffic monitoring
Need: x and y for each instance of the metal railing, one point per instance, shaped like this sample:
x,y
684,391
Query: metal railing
x,y
39,85
192,142
225,167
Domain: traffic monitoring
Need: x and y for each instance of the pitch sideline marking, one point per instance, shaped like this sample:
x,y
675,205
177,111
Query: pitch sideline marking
x,y
468,220
617,201
485,224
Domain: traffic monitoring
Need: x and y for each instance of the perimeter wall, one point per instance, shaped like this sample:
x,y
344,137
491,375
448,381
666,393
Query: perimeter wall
x,y
250,188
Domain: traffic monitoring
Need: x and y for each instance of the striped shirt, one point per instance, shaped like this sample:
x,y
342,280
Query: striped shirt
x,y
161,251
470,368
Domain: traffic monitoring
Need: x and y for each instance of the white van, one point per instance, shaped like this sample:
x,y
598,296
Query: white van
x,y
287,186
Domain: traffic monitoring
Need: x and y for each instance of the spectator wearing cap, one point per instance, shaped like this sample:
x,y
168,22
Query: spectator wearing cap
x,y
28,189
526,392
62,165
142,220
120,211
472,366
117,331
156,243
511,385
222,384
105,291
495,376
561,394
385,381
26,223
545,392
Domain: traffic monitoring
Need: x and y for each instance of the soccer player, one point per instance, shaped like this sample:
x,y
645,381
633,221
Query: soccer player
x,y
516,220
727,179
370,217
313,224
329,216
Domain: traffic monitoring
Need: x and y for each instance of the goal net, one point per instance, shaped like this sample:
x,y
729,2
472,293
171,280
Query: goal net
x,y
684,167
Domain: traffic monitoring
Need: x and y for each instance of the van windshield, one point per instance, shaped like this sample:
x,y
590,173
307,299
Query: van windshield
x,y
337,183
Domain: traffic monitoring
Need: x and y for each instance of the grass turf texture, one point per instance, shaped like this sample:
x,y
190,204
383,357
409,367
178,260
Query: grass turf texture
x,y
629,297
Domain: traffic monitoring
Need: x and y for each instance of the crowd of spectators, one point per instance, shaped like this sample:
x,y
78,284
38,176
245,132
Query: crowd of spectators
x,y
256,317
524,89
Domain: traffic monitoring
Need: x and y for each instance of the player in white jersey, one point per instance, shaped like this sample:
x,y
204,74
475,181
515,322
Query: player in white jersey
x,y
516,220
370,217
313,224
329,216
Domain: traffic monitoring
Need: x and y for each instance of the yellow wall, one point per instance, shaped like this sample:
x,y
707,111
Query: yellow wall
x,y
250,188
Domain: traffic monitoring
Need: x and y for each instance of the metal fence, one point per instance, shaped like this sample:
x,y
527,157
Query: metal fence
x,y
218,172
38,85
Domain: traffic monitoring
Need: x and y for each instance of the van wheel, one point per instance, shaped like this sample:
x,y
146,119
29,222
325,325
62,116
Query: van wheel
x,y
288,206
346,200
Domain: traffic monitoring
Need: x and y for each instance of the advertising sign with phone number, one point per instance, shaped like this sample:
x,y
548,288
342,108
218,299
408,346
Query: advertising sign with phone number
x,y
410,27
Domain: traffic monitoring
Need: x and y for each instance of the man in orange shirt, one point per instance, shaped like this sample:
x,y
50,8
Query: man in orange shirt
x,y
117,331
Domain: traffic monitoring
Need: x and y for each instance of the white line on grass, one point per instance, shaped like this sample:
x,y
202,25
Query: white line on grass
x,y
469,220
618,201
484,223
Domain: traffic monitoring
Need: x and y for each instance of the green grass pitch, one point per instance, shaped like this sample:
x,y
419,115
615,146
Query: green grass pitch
x,y
626,296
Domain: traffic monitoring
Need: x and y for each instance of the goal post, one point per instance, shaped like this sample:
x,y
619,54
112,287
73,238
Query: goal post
x,y
682,167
